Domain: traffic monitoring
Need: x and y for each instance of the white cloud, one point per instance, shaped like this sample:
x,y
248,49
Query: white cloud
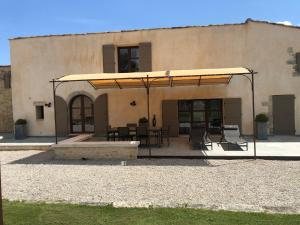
x,y
287,23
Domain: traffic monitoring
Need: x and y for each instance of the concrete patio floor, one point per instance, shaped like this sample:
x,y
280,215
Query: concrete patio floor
x,y
275,146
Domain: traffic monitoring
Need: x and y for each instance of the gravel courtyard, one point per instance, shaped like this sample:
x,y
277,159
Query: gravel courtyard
x,y
244,185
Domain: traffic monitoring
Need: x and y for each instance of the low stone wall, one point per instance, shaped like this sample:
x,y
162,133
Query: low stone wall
x,y
72,149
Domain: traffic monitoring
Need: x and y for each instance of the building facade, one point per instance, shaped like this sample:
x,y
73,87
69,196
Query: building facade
x,y
6,114
272,50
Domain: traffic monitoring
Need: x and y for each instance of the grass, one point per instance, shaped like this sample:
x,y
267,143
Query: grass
x,y
18,213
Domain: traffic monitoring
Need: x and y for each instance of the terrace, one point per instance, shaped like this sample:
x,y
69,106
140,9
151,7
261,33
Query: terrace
x,y
150,80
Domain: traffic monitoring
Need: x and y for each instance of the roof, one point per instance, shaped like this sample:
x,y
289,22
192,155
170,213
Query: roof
x,y
149,29
157,78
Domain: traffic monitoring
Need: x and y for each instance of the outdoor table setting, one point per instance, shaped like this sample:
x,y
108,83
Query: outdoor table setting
x,y
153,133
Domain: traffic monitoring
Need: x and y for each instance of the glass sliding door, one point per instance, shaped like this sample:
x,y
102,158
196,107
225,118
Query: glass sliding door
x,y
214,116
184,116
200,113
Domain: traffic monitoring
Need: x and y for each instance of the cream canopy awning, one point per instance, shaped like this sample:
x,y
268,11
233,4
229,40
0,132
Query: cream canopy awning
x,y
160,79
157,78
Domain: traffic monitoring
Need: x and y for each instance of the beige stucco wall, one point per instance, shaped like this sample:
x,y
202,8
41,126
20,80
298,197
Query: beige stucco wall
x,y
259,46
6,114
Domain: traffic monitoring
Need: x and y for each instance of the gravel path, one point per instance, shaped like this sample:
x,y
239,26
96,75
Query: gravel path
x,y
245,185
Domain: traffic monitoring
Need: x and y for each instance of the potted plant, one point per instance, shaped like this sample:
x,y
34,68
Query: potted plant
x,y
20,129
261,126
143,122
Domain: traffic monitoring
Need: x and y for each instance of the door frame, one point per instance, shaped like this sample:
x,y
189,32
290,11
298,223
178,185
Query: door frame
x,y
82,113
294,114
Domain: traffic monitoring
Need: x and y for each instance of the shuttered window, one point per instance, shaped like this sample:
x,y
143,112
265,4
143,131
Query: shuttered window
x,y
145,56
39,111
108,52
128,59
298,62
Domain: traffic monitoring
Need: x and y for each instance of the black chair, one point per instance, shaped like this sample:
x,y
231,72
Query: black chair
x,y
131,125
198,137
132,128
123,134
142,134
165,133
110,134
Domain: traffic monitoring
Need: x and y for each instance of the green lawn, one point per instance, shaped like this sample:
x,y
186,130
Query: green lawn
x,y
16,213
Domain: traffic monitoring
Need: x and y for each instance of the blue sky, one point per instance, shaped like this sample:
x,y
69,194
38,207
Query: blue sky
x,y
42,17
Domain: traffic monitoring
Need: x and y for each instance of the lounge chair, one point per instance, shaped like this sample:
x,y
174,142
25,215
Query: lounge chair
x,y
199,138
231,135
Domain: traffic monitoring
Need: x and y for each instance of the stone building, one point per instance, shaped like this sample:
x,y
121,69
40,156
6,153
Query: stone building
x,y
6,114
272,50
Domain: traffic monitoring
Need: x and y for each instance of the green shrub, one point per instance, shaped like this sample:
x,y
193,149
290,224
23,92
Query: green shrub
x,y
261,118
21,122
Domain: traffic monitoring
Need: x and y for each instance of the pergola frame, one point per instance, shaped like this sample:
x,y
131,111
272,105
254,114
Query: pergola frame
x,y
146,83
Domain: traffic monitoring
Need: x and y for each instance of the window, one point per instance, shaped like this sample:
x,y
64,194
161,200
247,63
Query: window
x,y
7,80
82,114
128,59
39,110
200,113
298,62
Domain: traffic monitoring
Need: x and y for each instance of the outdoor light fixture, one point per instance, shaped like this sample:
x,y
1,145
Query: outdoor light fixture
x,y
48,104
133,103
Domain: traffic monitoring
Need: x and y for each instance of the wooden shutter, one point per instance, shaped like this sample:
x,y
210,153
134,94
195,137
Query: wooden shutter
x,y
7,80
232,112
145,57
101,115
298,62
62,117
170,116
283,114
108,58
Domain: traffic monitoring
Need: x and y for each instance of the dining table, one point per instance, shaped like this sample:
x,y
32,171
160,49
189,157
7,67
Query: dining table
x,y
153,132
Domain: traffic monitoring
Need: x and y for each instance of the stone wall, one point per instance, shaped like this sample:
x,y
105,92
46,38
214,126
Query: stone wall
x,y
6,115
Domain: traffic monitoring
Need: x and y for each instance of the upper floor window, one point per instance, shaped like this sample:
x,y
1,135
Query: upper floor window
x,y
128,59
298,62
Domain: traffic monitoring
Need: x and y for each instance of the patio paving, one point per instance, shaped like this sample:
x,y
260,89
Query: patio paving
x,y
275,146
278,146
8,142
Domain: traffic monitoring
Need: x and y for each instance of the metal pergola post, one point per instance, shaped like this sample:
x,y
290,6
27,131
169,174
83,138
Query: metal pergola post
x,y
253,113
148,111
54,104
1,208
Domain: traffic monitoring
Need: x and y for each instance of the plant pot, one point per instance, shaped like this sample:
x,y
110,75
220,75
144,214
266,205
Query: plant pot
x,y
20,131
261,130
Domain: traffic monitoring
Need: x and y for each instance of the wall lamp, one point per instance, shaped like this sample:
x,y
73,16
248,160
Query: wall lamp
x,y
48,104
133,103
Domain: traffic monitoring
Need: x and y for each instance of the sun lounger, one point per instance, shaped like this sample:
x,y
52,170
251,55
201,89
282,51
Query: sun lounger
x,y
231,135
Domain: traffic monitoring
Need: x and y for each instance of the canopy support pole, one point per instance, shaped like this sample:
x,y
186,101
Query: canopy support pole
x,y
253,113
148,112
54,104
1,208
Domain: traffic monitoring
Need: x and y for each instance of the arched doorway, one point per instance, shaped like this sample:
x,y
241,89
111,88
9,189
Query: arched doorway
x,y
81,114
